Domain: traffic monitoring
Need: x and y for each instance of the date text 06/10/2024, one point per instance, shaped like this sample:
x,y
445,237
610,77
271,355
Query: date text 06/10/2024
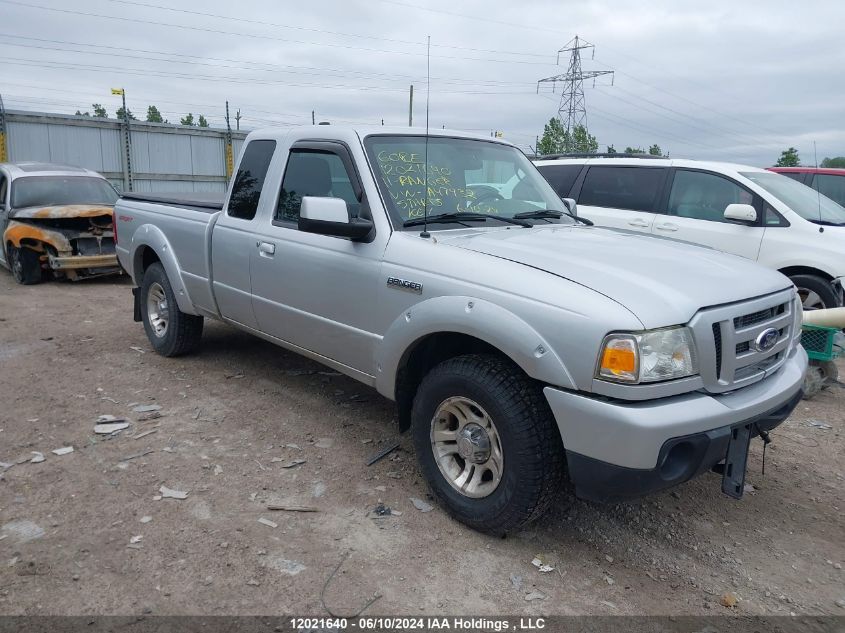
x,y
386,623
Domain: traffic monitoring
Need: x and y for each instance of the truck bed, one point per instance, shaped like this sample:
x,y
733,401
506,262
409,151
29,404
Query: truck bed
x,y
205,202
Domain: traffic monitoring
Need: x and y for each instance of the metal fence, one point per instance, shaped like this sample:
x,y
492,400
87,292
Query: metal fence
x,y
164,157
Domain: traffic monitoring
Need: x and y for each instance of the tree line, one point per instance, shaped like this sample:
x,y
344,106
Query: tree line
x,y
153,116
556,140
790,158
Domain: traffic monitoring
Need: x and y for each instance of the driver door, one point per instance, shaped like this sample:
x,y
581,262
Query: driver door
x,y
4,213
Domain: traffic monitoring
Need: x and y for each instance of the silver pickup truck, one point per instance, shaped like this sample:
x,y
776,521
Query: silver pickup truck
x,y
519,343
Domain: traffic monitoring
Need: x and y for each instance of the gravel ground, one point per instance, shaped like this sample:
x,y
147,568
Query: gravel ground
x,y
87,532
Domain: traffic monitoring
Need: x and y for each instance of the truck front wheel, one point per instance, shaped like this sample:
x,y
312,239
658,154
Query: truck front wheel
x,y
170,331
487,443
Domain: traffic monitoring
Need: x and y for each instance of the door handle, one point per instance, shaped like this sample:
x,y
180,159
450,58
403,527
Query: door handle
x,y
640,223
668,226
266,249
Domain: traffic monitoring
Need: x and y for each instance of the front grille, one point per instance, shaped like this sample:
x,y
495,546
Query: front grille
x,y
729,335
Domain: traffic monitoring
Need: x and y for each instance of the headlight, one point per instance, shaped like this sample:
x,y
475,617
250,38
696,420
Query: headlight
x,y
648,356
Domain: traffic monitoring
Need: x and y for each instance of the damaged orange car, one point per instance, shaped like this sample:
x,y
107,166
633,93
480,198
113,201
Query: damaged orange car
x,y
56,220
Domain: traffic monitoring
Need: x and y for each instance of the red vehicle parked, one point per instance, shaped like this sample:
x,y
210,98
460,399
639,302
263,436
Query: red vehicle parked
x,y
829,182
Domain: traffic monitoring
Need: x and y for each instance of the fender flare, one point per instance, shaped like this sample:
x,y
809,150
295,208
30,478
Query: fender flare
x,y
152,237
474,317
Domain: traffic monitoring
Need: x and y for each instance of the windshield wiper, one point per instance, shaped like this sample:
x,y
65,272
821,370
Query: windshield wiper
x,y
463,217
544,214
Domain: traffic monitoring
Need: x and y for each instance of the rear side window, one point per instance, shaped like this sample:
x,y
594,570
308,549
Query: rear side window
x,y
249,181
632,188
795,175
831,186
560,177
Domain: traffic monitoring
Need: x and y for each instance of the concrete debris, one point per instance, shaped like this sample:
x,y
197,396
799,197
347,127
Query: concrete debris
x,y
147,408
37,457
218,469
169,493
136,539
109,418
535,595
608,558
251,582
109,428
137,349
291,508
324,442
145,519
5,465
22,530
516,581
268,522
749,489
63,451
293,462
729,599
421,505
542,566
283,565
293,446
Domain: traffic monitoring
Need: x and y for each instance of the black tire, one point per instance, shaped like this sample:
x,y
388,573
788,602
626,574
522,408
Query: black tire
x,y
182,332
821,287
25,265
533,459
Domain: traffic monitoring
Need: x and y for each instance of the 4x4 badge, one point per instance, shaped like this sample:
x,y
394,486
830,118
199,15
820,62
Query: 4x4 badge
x,y
404,284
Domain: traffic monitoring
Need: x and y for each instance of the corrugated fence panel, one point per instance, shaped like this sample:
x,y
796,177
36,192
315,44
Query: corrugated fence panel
x,y
76,145
164,157
28,141
207,156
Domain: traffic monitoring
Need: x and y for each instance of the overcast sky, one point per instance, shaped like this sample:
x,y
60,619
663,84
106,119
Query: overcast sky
x,y
737,81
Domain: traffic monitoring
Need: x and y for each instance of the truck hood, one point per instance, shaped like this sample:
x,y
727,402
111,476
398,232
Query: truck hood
x,y
662,282
63,211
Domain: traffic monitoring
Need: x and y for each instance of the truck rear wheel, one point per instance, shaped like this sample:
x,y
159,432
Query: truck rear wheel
x,y
487,443
25,265
170,331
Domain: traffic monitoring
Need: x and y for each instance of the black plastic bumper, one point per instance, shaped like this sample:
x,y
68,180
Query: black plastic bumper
x,y
680,459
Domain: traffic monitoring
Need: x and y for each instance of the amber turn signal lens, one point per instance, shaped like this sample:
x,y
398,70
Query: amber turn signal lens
x,y
619,361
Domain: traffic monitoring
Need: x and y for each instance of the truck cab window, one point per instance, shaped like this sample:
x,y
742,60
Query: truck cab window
x,y
314,173
249,181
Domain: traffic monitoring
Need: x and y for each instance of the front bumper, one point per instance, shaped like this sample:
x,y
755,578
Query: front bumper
x,y
75,262
618,450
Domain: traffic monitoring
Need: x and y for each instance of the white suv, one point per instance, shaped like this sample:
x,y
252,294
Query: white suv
x,y
746,211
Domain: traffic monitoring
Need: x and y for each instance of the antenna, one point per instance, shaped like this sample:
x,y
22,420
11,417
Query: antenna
x,y
818,192
425,232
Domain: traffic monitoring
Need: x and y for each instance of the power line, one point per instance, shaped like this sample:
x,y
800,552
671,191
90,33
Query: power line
x,y
258,36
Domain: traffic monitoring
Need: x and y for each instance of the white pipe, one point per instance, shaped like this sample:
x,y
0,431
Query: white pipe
x,y
831,317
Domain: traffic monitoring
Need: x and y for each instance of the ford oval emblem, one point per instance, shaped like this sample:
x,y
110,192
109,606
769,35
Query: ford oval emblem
x,y
766,340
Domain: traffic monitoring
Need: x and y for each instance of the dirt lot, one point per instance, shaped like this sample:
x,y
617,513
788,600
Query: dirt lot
x,y
85,532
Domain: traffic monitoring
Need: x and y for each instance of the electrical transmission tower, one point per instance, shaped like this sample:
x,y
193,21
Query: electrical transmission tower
x,y
572,111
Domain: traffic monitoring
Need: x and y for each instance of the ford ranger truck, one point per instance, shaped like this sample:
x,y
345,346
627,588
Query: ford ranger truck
x,y
519,343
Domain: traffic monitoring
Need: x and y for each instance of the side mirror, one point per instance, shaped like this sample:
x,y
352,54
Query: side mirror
x,y
330,216
744,213
571,205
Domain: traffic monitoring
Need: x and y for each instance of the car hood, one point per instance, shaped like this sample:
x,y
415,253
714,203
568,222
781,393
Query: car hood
x,y
63,211
663,282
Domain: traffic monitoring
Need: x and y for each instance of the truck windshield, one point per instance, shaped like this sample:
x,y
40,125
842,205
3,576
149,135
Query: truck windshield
x,y
45,191
464,176
806,202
